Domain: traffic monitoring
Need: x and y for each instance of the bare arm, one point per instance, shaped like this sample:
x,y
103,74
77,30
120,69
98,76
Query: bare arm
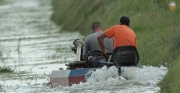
x,y
101,41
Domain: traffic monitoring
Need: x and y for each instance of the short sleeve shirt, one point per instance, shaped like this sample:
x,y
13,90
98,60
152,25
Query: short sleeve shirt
x,y
123,35
91,43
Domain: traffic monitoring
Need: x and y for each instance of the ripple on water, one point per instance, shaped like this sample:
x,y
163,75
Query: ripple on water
x,y
31,44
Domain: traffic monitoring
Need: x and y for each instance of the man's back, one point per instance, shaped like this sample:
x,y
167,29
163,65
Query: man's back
x,y
91,43
123,35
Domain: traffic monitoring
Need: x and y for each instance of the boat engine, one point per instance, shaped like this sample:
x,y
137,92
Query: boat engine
x,y
78,49
96,59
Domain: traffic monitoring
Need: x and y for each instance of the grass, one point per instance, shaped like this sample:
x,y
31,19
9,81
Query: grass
x,y
6,70
157,28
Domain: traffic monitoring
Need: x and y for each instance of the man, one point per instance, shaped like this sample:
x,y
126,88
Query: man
x,y
122,34
91,41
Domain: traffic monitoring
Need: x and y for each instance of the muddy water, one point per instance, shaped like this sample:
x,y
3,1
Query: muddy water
x,y
32,46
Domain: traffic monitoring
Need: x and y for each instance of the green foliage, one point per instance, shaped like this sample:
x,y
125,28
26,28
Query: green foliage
x,y
156,27
176,40
6,70
171,82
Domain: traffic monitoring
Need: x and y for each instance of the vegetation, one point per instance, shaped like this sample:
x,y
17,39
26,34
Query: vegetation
x,y
156,27
6,70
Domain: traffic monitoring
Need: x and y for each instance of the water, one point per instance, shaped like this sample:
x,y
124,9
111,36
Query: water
x,y
33,46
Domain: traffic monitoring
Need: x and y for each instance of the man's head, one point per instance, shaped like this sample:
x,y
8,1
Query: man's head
x,y
124,20
96,26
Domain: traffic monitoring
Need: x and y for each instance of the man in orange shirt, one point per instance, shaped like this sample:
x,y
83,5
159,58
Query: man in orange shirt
x,y
122,34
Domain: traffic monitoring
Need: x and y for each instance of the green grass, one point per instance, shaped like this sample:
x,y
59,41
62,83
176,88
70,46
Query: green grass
x,y
157,28
6,70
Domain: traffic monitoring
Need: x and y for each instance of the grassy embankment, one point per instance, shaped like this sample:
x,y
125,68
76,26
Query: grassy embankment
x,y
157,28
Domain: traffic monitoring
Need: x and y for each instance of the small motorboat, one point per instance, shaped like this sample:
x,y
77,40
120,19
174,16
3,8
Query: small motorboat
x,y
79,70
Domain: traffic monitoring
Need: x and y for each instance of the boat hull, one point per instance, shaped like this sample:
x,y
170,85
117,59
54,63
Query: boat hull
x,y
70,77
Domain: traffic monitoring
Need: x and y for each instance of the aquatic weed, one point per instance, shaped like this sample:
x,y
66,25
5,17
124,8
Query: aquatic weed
x,y
6,70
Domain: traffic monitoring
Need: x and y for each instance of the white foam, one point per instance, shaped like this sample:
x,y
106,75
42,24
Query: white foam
x,y
132,79
145,75
107,80
103,74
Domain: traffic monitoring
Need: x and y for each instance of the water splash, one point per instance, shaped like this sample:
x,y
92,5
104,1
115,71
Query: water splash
x,y
132,79
146,75
107,80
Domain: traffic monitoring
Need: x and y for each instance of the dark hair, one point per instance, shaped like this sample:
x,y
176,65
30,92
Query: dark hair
x,y
96,25
124,20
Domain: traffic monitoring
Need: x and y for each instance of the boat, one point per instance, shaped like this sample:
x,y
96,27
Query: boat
x,y
79,70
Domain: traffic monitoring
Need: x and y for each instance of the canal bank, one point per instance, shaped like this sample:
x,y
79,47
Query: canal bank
x,y
156,27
